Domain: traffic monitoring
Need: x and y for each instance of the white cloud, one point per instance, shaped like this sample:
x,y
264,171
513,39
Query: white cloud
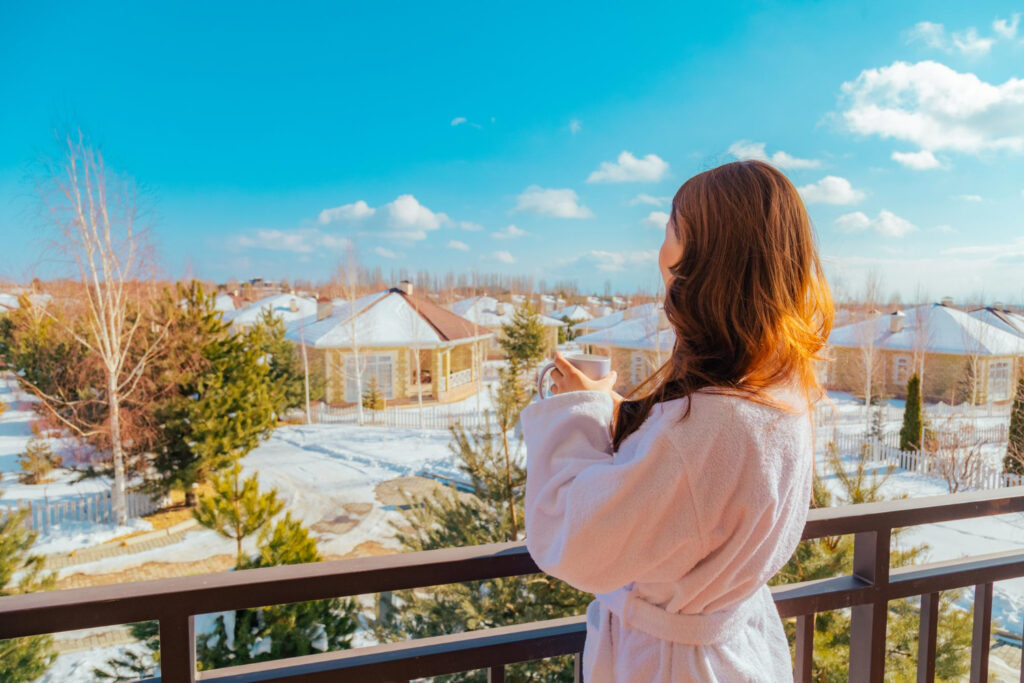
x,y
549,202
948,229
614,261
456,244
885,223
929,33
504,257
1007,29
648,199
628,169
459,120
745,149
403,219
657,219
574,126
471,226
967,42
508,233
936,108
831,190
968,197
386,253
919,161
304,241
346,212
1013,249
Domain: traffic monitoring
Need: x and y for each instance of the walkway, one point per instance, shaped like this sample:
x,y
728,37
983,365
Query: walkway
x,y
112,549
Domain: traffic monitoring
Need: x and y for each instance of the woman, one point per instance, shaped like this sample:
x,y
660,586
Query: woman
x,y
677,506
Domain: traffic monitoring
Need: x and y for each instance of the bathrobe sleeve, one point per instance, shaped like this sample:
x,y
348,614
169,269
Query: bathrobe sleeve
x,y
596,523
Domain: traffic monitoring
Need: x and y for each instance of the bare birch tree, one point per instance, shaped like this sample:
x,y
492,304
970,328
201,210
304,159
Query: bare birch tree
x,y
867,341
96,215
921,334
348,276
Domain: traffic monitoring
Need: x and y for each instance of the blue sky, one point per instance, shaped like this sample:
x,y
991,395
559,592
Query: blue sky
x,y
266,136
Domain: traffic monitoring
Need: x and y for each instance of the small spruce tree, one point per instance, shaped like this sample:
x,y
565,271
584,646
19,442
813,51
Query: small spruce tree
x,y
37,462
1013,462
487,515
522,339
285,365
236,508
28,658
373,399
279,631
910,434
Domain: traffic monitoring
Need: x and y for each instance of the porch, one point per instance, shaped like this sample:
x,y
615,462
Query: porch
x,y
175,602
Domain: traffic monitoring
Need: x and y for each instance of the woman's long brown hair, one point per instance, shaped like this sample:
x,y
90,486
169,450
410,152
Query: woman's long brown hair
x,y
748,299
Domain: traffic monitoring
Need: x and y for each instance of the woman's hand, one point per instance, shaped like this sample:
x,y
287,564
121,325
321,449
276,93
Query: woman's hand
x,y
566,377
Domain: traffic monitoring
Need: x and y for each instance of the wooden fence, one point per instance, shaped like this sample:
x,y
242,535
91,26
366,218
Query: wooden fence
x,y
938,465
94,507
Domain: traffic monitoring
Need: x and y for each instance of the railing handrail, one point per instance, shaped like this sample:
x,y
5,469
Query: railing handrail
x,y
32,613
175,601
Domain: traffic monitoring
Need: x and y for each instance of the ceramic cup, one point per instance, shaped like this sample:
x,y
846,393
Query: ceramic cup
x,y
591,365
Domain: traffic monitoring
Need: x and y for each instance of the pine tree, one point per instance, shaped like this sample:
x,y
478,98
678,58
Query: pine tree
x,y
1013,462
522,338
279,631
509,400
373,399
37,461
219,401
22,659
285,371
831,556
910,434
236,509
451,519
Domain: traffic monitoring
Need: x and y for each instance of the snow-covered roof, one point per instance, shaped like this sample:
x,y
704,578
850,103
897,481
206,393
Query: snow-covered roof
x,y
1004,319
8,301
489,312
635,333
384,319
574,313
288,307
937,328
224,302
648,310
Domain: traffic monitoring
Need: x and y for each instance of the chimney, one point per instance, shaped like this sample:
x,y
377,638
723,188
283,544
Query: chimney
x,y
293,305
946,301
663,323
999,306
324,308
897,321
405,286
627,314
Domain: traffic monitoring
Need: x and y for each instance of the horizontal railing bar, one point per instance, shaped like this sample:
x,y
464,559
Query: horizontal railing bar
x,y
433,656
906,512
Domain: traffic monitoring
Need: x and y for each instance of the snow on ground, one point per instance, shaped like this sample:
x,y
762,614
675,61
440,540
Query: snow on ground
x,y
79,666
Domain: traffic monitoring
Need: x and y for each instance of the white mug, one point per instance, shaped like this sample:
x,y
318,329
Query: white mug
x,y
591,365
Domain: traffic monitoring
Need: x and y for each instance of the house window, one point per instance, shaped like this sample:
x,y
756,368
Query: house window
x,y
639,367
377,365
999,380
901,370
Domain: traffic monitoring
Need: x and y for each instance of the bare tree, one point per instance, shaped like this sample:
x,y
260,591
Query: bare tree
x,y
867,342
96,214
922,334
348,276
958,455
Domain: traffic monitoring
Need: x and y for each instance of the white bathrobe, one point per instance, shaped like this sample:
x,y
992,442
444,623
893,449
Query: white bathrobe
x,y
677,533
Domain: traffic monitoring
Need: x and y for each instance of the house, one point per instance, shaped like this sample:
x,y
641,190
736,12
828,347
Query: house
x,y
397,333
287,307
1002,318
491,314
613,317
574,314
638,343
8,302
963,358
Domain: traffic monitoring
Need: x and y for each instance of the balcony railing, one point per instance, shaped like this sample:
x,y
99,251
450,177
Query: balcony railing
x,y
174,602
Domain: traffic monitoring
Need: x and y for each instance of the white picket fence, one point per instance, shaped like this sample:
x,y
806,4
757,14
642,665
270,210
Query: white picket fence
x,y
92,507
929,464
433,417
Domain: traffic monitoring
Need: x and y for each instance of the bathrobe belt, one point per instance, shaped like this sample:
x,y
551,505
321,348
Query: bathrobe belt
x,y
688,629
